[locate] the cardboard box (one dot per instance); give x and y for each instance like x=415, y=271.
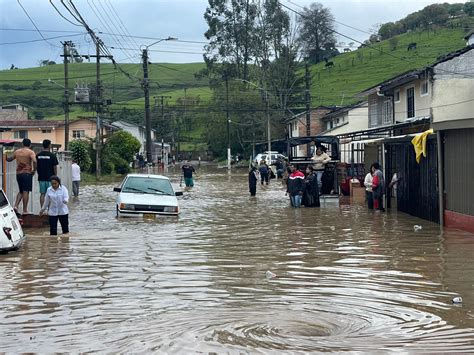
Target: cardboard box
x=357, y=192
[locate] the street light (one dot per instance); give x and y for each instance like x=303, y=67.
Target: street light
x=149, y=156
x=269, y=142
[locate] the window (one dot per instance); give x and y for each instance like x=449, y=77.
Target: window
x=373, y=112
x=387, y=111
x=410, y=102
x=424, y=87
x=396, y=96
x=328, y=125
x=78, y=133
x=45, y=131
x=20, y=134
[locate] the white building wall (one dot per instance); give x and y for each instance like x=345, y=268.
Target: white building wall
x=453, y=94
x=422, y=101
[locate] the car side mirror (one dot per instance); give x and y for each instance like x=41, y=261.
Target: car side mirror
x=117, y=189
x=178, y=193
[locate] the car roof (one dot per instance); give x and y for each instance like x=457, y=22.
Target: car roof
x=152, y=176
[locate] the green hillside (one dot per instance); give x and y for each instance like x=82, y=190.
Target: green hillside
x=358, y=70
x=32, y=88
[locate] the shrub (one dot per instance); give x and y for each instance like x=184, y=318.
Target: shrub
x=81, y=153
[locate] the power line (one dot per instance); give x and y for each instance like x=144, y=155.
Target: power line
x=155, y=38
x=64, y=17
x=30, y=30
x=162, y=51
x=42, y=39
x=121, y=24
x=29, y=17
x=104, y=23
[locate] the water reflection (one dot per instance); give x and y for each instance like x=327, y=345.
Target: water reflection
x=347, y=280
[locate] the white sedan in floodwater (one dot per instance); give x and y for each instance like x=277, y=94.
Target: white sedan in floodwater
x=143, y=195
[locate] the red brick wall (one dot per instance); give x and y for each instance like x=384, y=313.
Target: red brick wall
x=317, y=125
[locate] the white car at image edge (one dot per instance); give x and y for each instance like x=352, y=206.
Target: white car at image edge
x=11, y=235
x=142, y=195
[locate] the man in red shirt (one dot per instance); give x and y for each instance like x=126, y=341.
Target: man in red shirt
x=25, y=169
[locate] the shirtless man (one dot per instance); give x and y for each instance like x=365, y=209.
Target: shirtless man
x=25, y=169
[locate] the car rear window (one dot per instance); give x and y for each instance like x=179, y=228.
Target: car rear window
x=148, y=185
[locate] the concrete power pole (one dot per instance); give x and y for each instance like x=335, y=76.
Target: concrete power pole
x=66, y=46
x=228, y=121
x=162, y=128
x=149, y=156
x=308, y=107
x=98, y=140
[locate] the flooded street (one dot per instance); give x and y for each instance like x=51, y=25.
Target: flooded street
x=347, y=279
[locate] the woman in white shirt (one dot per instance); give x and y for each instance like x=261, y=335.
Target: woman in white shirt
x=55, y=202
x=368, y=190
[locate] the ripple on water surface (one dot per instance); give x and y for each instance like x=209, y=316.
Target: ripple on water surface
x=346, y=279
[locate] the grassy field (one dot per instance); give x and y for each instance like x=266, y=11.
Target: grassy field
x=32, y=88
x=358, y=70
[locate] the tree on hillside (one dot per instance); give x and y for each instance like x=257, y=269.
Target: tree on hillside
x=434, y=14
x=273, y=26
x=231, y=34
x=45, y=62
x=454, y=9
x=469, y=8
x=390, y=29
x=316, y=34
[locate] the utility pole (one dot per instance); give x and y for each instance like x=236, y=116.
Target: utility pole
x=66, y=46
x=308, y=107
x=228, y=120
x=98, y=109
x=149, y=156
x=269, y=140
x=162, y=97
x=146, y=89
x=98, y=99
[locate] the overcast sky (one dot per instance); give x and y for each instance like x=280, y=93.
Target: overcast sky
x=154, y=18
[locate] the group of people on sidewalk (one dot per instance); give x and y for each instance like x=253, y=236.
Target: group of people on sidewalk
x=374, y=183
x=54, y=196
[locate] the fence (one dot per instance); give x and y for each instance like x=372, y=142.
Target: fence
x=10, y=186
x=417, y=190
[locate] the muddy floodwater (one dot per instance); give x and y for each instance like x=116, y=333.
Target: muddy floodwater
x=346, y=279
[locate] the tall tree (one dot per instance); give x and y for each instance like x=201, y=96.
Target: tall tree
x=231, y=34
x=316, y=34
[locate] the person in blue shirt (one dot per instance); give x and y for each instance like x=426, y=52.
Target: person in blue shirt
x=188, y=171
x=55, y=202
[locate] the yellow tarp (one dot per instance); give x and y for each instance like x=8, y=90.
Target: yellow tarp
x=419, y=143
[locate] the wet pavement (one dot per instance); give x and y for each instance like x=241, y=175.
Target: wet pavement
x=346, y=279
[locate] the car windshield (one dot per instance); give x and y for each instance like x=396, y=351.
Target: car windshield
x=148, y=185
